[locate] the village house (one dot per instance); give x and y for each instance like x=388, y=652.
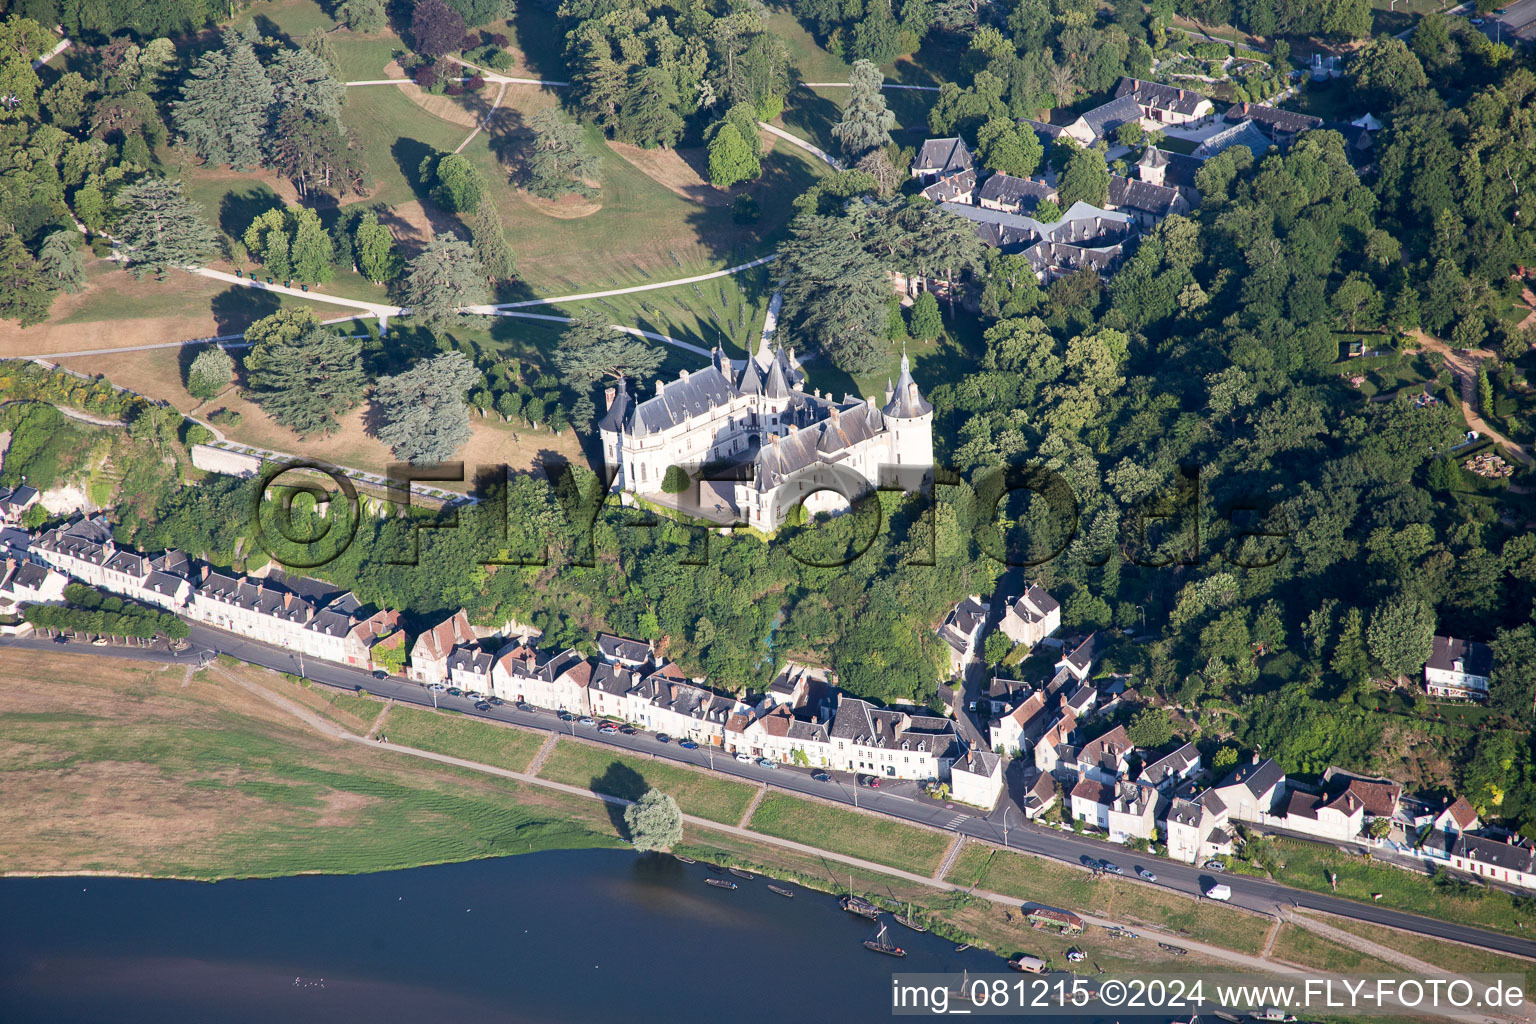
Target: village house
x=432, y=649
x=1506, y=859
x=666, y=702
x=1090, y=801
x=618, y=650
x=559, y=684
x=1104, y=758
x=1001, y=696
x=1281, y=126
x=1040, y=796
x=1031, y=617
x=16, y=500
x=1021, y=728
x=1081, y=699
x=30, y=583
x=1251, y=790
x=1165, y=104
x=1458, y=816
x=961, y=632
x=894, y=744
x=1146, y=202
x=469, y=668
x=1338, y=817
x=977, y=778
x=511, y=667
x=940, y=158
x=1197, y=828
x=1049, y=134
x=1014, y=195
x=1458, y=669
x=1171, y=769
x=369, y=633
x=959, y=187
x=1133, y=812
x=1055, y=742
x=1103, y=119
x=1080, y=660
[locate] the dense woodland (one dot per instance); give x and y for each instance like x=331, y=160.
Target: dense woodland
x=1196, y=393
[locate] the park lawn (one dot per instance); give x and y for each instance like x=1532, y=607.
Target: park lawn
x=806, y=56
x=395, y=133
x=1060, y=885
x=870, y=837
x=953, y=915
x=119, y=766
x=447, y=732
x=1298, y=946
x=624, y=775
x=1451, y=956
x=1306, y=866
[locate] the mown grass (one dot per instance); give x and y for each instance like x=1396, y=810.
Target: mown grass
x=604, y=771
x=1307, y=949
x=445, y=732
x=1307, y=866
x=212, y=781
x=1452, y=956
x=859, y=835
x=1044, y=881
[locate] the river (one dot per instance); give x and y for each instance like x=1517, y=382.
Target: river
x=593, y=935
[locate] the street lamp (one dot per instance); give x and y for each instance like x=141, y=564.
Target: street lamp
x=1005, y=824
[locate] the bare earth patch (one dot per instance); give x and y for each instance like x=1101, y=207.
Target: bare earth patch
x=676, y=170
x=416, y=223
x=342, y=808
x=567, y=207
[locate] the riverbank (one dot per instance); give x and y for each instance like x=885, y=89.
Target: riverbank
x=237, y=772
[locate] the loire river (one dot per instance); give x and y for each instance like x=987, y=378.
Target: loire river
x=594, y=935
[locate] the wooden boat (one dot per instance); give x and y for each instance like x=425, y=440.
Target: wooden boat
x=962, y=948
x=685, y=860
x=880, y=944
x=861, y=906
x=911, y=922
x=1175, y=950
x=721, y=883
x=741, y=874
x=781, y=891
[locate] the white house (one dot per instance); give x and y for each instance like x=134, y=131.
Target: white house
x=961, y=632
x=1021, y=728
x=1252, y=789
x=1197, y=828
x=1090, y=801
x=1031, y=617
x=1168, y=771
x=1080, y=661
x=1040, y=796
x=1049, y=748
x=30, y=583
x=432, y=649
x=1104, y=759
x=618, y=650
x=469, y=668
x=1505, y=859
x=894, y=744
x=559, y=684
x=1133, y=812
x=1165, y=104
x=1458, y=669
x=1458, y=816
x=977, y=778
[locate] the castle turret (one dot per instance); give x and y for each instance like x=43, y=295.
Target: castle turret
x=909, y=418
x=610, y=428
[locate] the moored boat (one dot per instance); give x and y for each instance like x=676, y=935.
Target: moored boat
x=685, y=860
x=781, y=891
x=721, y=883
x=861, y=906
x=741, y=874
x=911, y=922
x=881, y=944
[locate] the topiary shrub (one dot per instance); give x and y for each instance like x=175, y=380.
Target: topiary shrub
x=676, y=481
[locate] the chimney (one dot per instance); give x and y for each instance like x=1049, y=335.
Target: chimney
x=1255, y=757
x=684, y=375
x=288, y=600
x=870, y=401
x=608, y=394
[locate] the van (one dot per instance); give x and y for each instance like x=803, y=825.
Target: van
x=1219, y=892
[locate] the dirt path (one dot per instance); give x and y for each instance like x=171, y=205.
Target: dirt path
x=378, y=719
x=486, y=120
x=950, y=856
x=746, y=815
x=303, y=714
x=1464, y=364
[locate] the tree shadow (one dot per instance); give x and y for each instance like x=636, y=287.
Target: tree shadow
x=408, y=154
x=622, y=781
x=236, y=308
x=534, y=32
x=237, y=209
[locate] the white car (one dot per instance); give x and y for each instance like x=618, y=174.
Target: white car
x=439, y=687
x=745, y=758
x=474, y=695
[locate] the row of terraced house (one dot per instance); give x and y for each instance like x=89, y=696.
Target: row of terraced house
x=802, y=718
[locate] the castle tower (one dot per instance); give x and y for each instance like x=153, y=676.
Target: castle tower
x=909, y=418
x=610, y=430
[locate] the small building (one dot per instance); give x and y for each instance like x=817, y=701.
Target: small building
x=469, y=668
x=432, y=649
x=618, y=650
x=1165, y=168
x=1039, y=796
x=1133, y=812
x=1282, y=126
x=1022, y=727
x=1506, y=859
x=1168, y=771
x=959, y=187
x=1252, y=789
x=976, y=778
x=961, y=632
x=1106, y=117
x=15, y=501
x=29, y=583
x=1458, y=669
x=1165, y=104
x=1054, y=744
x=1080, y=661
x=1197, y=827
x=1458, y=816
x=1146, y=202
x=1049, y=134
x=1031, y=617
x=1105, y=758
x=1014, y=195
x=1090, y=801
x=940, y=158
x=1063, y=921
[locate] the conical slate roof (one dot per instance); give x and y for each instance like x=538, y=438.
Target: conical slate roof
x=613, y=419
x=907, y=403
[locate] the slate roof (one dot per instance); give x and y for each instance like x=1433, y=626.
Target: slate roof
x=1185, y=812
x=961, y=623
x=1242, y=134
x=978, y=762
x=1045, y=257
x=1492, y=851
x=613, y=419
x=945, y=155
x=1082, y=698
x=952, y=186
x=618, y=648
x=1006, y=190
x=692, y=394
x=29, y=575
x=1080, y=223
x=1272, y=119
x=1034, y=604
x=1083, y=655
x=1171, y=766
x=863, y=723
x=473, y=660
x=1163, y=97
x=907, y=402
x=1258, y=779
x=19, y=497
x=1107, y=751
x=1476, y=658
x=1051, y=132
x=1179, y=168
x=1106, y=117
x=1158, y=200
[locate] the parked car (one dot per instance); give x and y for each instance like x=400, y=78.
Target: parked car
x=565, y=716
x=496, y=701
x=474, y=695
x=868, y=780
x=822, y=777
x=1214, y=865
x=438, y=687
x=1219, y=892
x=764, y=762
x=61, y=639
x=607, y=727
x=744, y=758
x=688, y=744
x=585, y=720
x=481, y=705
x=1110, y=868
x=662, y=737
x=454, y=691
x=627, y=730
x=379, y=673
x=1145, y=874
x=100, y=641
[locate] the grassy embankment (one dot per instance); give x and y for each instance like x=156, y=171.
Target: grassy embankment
x=871, y=837
x=447, y=732
x=603, y=771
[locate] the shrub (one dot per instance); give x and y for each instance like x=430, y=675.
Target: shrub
x=225, y=417
x=474, y=84
x=196, y=433
x=676, y=481
x=498, y=59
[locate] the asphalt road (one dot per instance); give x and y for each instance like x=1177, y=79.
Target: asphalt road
x=1253, y=893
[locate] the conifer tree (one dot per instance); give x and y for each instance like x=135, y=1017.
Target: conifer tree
x=590, y=350
x=561, y=160
x=223, y=110
x=425, y=418
x=443, y=278
x=161, y=227
x=866, y=122
x=25, y=294
x=649, y=116
x=311, y=253
x=303, y=79
x=60, y=260
x=362, y=15
x=490, y=243
x=926, y=324
x=304, y=375
x=374, y=248
x=835, y=292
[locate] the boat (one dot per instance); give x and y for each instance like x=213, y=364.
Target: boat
x=962, y=948
x=741, y=874
x=721, y=883
x=781, y=891
x=911, y=922
x=1175, y=950
x=856, y=904
x=685, y=860
x=880, y=944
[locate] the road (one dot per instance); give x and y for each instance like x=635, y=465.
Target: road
x=1253, y=893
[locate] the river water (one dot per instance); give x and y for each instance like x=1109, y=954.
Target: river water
x=594, y=935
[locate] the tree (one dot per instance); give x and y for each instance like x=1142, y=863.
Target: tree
x=1401, y=635
x=457, y=188
x=1357, y=300
x=877, y=164
x=561, y=160
x=269, y=241
x=301, y=78
x=209, y=373
x=591, y=350
x=445, y=276
x=1379, y=828
x=425, y=418
x=731, y=160
x=1514, y=669
x=161, y=227
x=1484, y=390
x=1150, y=728
x=835, y=292
x=224, y=105
x=362, y=15
x=649, y=115
x=925, y=325
x=21, y=41
x=489, y=240
x=304, y=375
x=1002, y=147
x=25, y=293
x=436, y=28
x=1387, y=70
x=66, y=100
x=675, y=480
x=1085, y=179
x=311, y=253
x=866, y=122
x=374, y=248
x=59, y=259
x=654, y=821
